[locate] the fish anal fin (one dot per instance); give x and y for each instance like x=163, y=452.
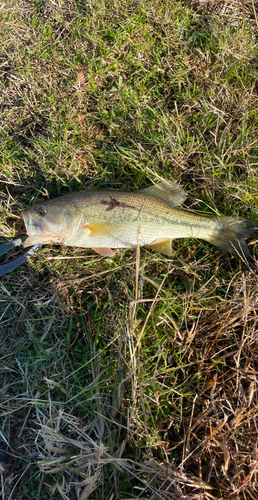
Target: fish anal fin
x=162, y=245
x=105, y=252
x=98, y=228
x=168, y=191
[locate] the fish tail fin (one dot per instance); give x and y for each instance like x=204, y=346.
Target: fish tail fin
x=232, y=233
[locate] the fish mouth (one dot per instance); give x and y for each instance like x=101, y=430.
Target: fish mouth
x=34, y=230
x=38, y=231
x=33, y=226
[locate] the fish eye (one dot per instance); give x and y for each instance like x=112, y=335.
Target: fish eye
x=41, y=211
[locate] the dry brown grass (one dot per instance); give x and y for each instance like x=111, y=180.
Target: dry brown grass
x=132, y=377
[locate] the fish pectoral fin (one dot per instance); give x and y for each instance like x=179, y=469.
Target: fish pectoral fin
x=168, y=191
x=105, y=252
x=162, y=245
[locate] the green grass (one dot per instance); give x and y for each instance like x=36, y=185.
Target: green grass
x=109, y=389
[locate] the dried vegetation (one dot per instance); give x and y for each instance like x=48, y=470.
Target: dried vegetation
x=131, y=377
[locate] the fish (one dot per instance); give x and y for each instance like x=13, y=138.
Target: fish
x=108, y=220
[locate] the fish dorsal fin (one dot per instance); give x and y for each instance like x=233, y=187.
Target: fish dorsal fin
x=162, y=245
x=168, y=191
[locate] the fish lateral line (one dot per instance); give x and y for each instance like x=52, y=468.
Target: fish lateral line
x=113, y=203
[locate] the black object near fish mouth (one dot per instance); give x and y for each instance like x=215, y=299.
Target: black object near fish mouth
x=4, y=457
x=13, y=264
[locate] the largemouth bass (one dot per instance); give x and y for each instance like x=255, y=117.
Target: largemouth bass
x=107, y=220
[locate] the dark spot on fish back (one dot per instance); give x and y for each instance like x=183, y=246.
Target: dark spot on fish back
x=113, y=203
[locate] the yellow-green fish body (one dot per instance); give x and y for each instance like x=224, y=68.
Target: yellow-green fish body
x=106, y=220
